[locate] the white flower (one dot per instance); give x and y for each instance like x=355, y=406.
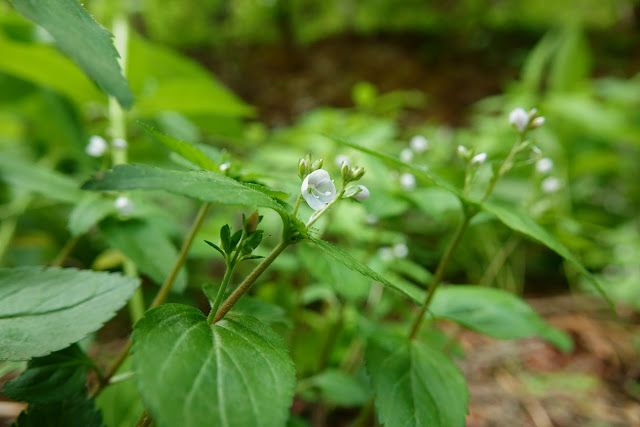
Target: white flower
x=544, y=165
x=419, y=144
x=363, y=194
x=406, y=155
x=520, y=118
x=408, y=181
x=341, y=158
x=550, y=185
x=119, y=143
x=96, y=146
x=318, y=189
x=479, y=159
x=225, y=166
x=124, y=205
x=400, y=250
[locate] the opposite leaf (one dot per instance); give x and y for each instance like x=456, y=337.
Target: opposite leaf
x=46, y=309
x=415, y=385
x=236, y=372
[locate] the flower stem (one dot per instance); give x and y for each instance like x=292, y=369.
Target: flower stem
x=316, y=215
x=437, y=277
x=297, y=206
x=251, y=278
x=504, y=168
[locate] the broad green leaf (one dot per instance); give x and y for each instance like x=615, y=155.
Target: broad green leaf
x=75, y=411
x=494, y=312
x=91, y=209
x=55, y=377
x=352, y=263
x=523, y=223
x=416, y=170
x=415, y=385
x=45, y=309
x=339, y=388
x=147, y=246
x=84, y=40
x=36, y=178
x=237, y=372
x=183, y=148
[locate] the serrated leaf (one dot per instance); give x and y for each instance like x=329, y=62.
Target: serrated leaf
x=523, y=223
x=234, y=373
x=354, y=264
x=148, y=247
x=91, y=209
x=36, y=178
x=57, y=376
x=75, y=411
x=184, y=149
x=494, y=312
x=415, y=385
x=83, y=39
x=45, y=309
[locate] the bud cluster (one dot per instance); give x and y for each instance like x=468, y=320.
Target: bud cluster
x=524, y=120
x=350, y=174
x=306, y=166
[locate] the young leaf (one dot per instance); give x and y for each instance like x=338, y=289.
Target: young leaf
x=225, y=238
x=46, y=309
x=415, y=385
x=235, y=239
x=148, y=247
x=494, y=312
x=523, y=223
x=57, y=376
x=216, y=247
x=183, y=148
x=236, y=372
x=75, y=411
x=83, y=39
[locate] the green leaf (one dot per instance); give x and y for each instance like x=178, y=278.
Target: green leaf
x=216, y=247
x=148, y=247
x=354, y=264
x=57, y=376
x=236, y=372
x=521, y=222
x=91, y=209
x=120, y=402
x=184, y=149
x=75, y=411
x=494, y=312
x=36, y=178
x=83, y=39
x=339, y=388
x=261, y=310
x=46, y=309
x=415, y=385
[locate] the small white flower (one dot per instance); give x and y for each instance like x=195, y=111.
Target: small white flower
x=544, y=165
x=341, y=158
x=124, y=205
x=400, y=250
x=225, y=166
x=119, y=143
x=520, y=118
x=96, y=147
x=386, y=253
x=408, y=181
x=479, y=159
x=537, y=122
x=550, y=185
x=318, y=189
x=419, y=144
x=406, y=155
x=363, y=194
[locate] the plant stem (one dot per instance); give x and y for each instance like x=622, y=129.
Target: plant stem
x=144, y=420
x=297, y=206
x=437, y=277
x=136, y=303
x=117, y=121
x=504, y=168
x=251, y=278
x=318, y=214
x=221, y=291
x=64, y=252
x=498, y=260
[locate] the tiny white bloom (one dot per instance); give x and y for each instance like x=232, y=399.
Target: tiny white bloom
x=119, y=143
x=520, y=118
x=419, y=144
x=363, y=194
x=371, y=219
x=400, y=250
x=386, y=253
x=544, y=165
x=550, y=185
x=341, y=158
x=406, y=155
x=408, y=181
x=318, y=189
x=124, y=205
x=225, y=166
x=463, y=151
x=537, y=122
x=96, y=147
x=479, y=159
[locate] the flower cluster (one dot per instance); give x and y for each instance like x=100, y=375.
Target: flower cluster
x=524, y=121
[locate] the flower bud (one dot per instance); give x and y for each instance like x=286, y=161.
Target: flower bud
x=302, y=168
x=537, y=122
x=551, y=185
x=479, y=159
x=406, y=155
x=357, y=173
x=533, y=113
x=123, y=205
x=408, y=181
x=119, y=143
x=251, y=223
x=96, y=147
x=225, y=166
x=463, y=152
x=419, y=144
x=519, y=118
x=544, y=165
x=363, y=194
x=316, y=165
x=345, y=171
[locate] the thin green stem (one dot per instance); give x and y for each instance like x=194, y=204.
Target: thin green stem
x=221, y=291
x=504, y=168
x=251, y=278
x=117, y=119
x=437, y=277
x=498, y=260
x=136, y=303
x=65, y=251
x=144, y=420
x=297, y=206
x=316, y=215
